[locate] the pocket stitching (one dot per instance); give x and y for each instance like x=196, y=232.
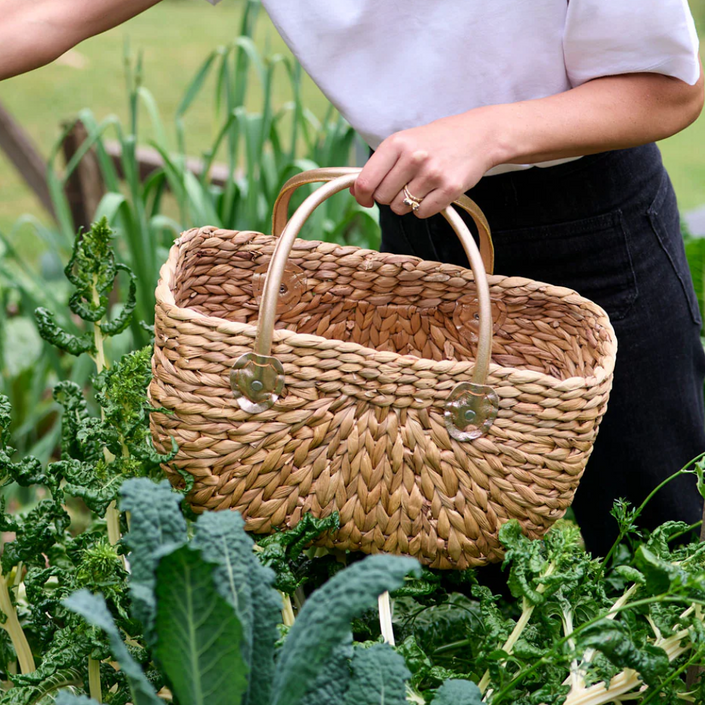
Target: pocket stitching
x=659, y=230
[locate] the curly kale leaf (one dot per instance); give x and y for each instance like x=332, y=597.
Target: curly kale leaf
x=283, y=550
x=74, y=418
x=122, y=320
x=25, y=472
x=92, y=271
x=55, y=335
x=614, y=641
x=36, y=534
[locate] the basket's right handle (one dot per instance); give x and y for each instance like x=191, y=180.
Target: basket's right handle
x=313, y=176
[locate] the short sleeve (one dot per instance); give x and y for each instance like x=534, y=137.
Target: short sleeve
x=610, y=37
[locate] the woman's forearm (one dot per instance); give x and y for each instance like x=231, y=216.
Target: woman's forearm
x=35, y=32
x=608, y=113
x=445, y=158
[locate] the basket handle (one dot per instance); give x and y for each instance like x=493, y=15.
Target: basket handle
x=281, y=207
x=257, y=378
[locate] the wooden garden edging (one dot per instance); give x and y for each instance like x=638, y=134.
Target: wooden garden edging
x=20, y=149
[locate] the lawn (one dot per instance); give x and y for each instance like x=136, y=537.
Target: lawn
x=175, y=37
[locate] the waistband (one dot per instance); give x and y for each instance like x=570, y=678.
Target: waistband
x=624, y=179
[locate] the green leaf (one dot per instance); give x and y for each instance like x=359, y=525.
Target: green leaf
x=156, y=522
x=324, y=621
x=332, y=680
x=660, y=575
x=458, y=692
x=613, y=640
x=379, y=677
x=280, y=549
x=50, y=330
x=198, y=632
x=247, y=585
x=94, y=610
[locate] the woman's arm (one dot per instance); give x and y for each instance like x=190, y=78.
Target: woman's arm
x=442, y=160
x=35, y=32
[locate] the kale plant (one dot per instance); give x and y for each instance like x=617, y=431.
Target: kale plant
x=192, y=610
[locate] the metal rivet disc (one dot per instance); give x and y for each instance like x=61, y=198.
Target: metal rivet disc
x=470, y=411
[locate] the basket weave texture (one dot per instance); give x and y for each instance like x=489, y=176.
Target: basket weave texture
x=372, y=345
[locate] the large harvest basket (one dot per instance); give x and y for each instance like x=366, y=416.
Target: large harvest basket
x=425, y=403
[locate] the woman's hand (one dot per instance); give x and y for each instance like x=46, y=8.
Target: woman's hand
x=440, y=161
x=436, y=162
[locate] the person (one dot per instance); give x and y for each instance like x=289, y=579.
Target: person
x=546, y=114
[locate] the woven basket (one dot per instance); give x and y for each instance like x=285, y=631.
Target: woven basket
x=424, y=403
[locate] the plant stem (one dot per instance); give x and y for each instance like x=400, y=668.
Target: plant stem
x=14, y=629
x=287, y=611
x=112, y=515
x=94, y=680
x=642, y=506
x=385, y=618
x=527, y=609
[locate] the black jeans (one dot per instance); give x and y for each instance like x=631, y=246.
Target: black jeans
x=608, y=227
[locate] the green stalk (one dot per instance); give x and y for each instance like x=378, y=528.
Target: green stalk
x=94, y=680
x=527, y=609
x=112, y=516
x=642, y=506
x=287, y=611
x=14, y=629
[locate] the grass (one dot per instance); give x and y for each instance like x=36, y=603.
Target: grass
x=175, y=37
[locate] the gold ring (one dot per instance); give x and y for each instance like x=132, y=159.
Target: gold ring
x=412, y=201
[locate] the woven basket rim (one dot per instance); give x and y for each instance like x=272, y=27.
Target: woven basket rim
x=164, y=295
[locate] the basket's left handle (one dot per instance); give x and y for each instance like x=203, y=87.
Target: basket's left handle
x=257, y=378
x=280, y=212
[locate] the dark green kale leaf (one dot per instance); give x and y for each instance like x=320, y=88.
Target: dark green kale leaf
x=198, y=632
x=157, y=524
x=458, y=692
x=324, y=621
x=247, y=586
x=379, y=677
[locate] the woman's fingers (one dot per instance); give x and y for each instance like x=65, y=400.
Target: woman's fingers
x=377, y=168
x=437, y=201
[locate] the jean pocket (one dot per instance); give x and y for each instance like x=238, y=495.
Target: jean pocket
x=590, y=256
x=665, y=222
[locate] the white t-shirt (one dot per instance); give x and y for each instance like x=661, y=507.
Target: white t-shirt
x=390, y=65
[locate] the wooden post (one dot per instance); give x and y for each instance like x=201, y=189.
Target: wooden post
x=18, y=146
x=85, y=187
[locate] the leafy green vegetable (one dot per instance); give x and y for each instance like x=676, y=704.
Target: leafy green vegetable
x=324, y=621
x=157, y=524
x=379, y=677
x=458, y=692
x=247, y=586
x=199, y=633
x=94, y=610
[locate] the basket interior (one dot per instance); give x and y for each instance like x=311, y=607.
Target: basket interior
x=389, y=303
